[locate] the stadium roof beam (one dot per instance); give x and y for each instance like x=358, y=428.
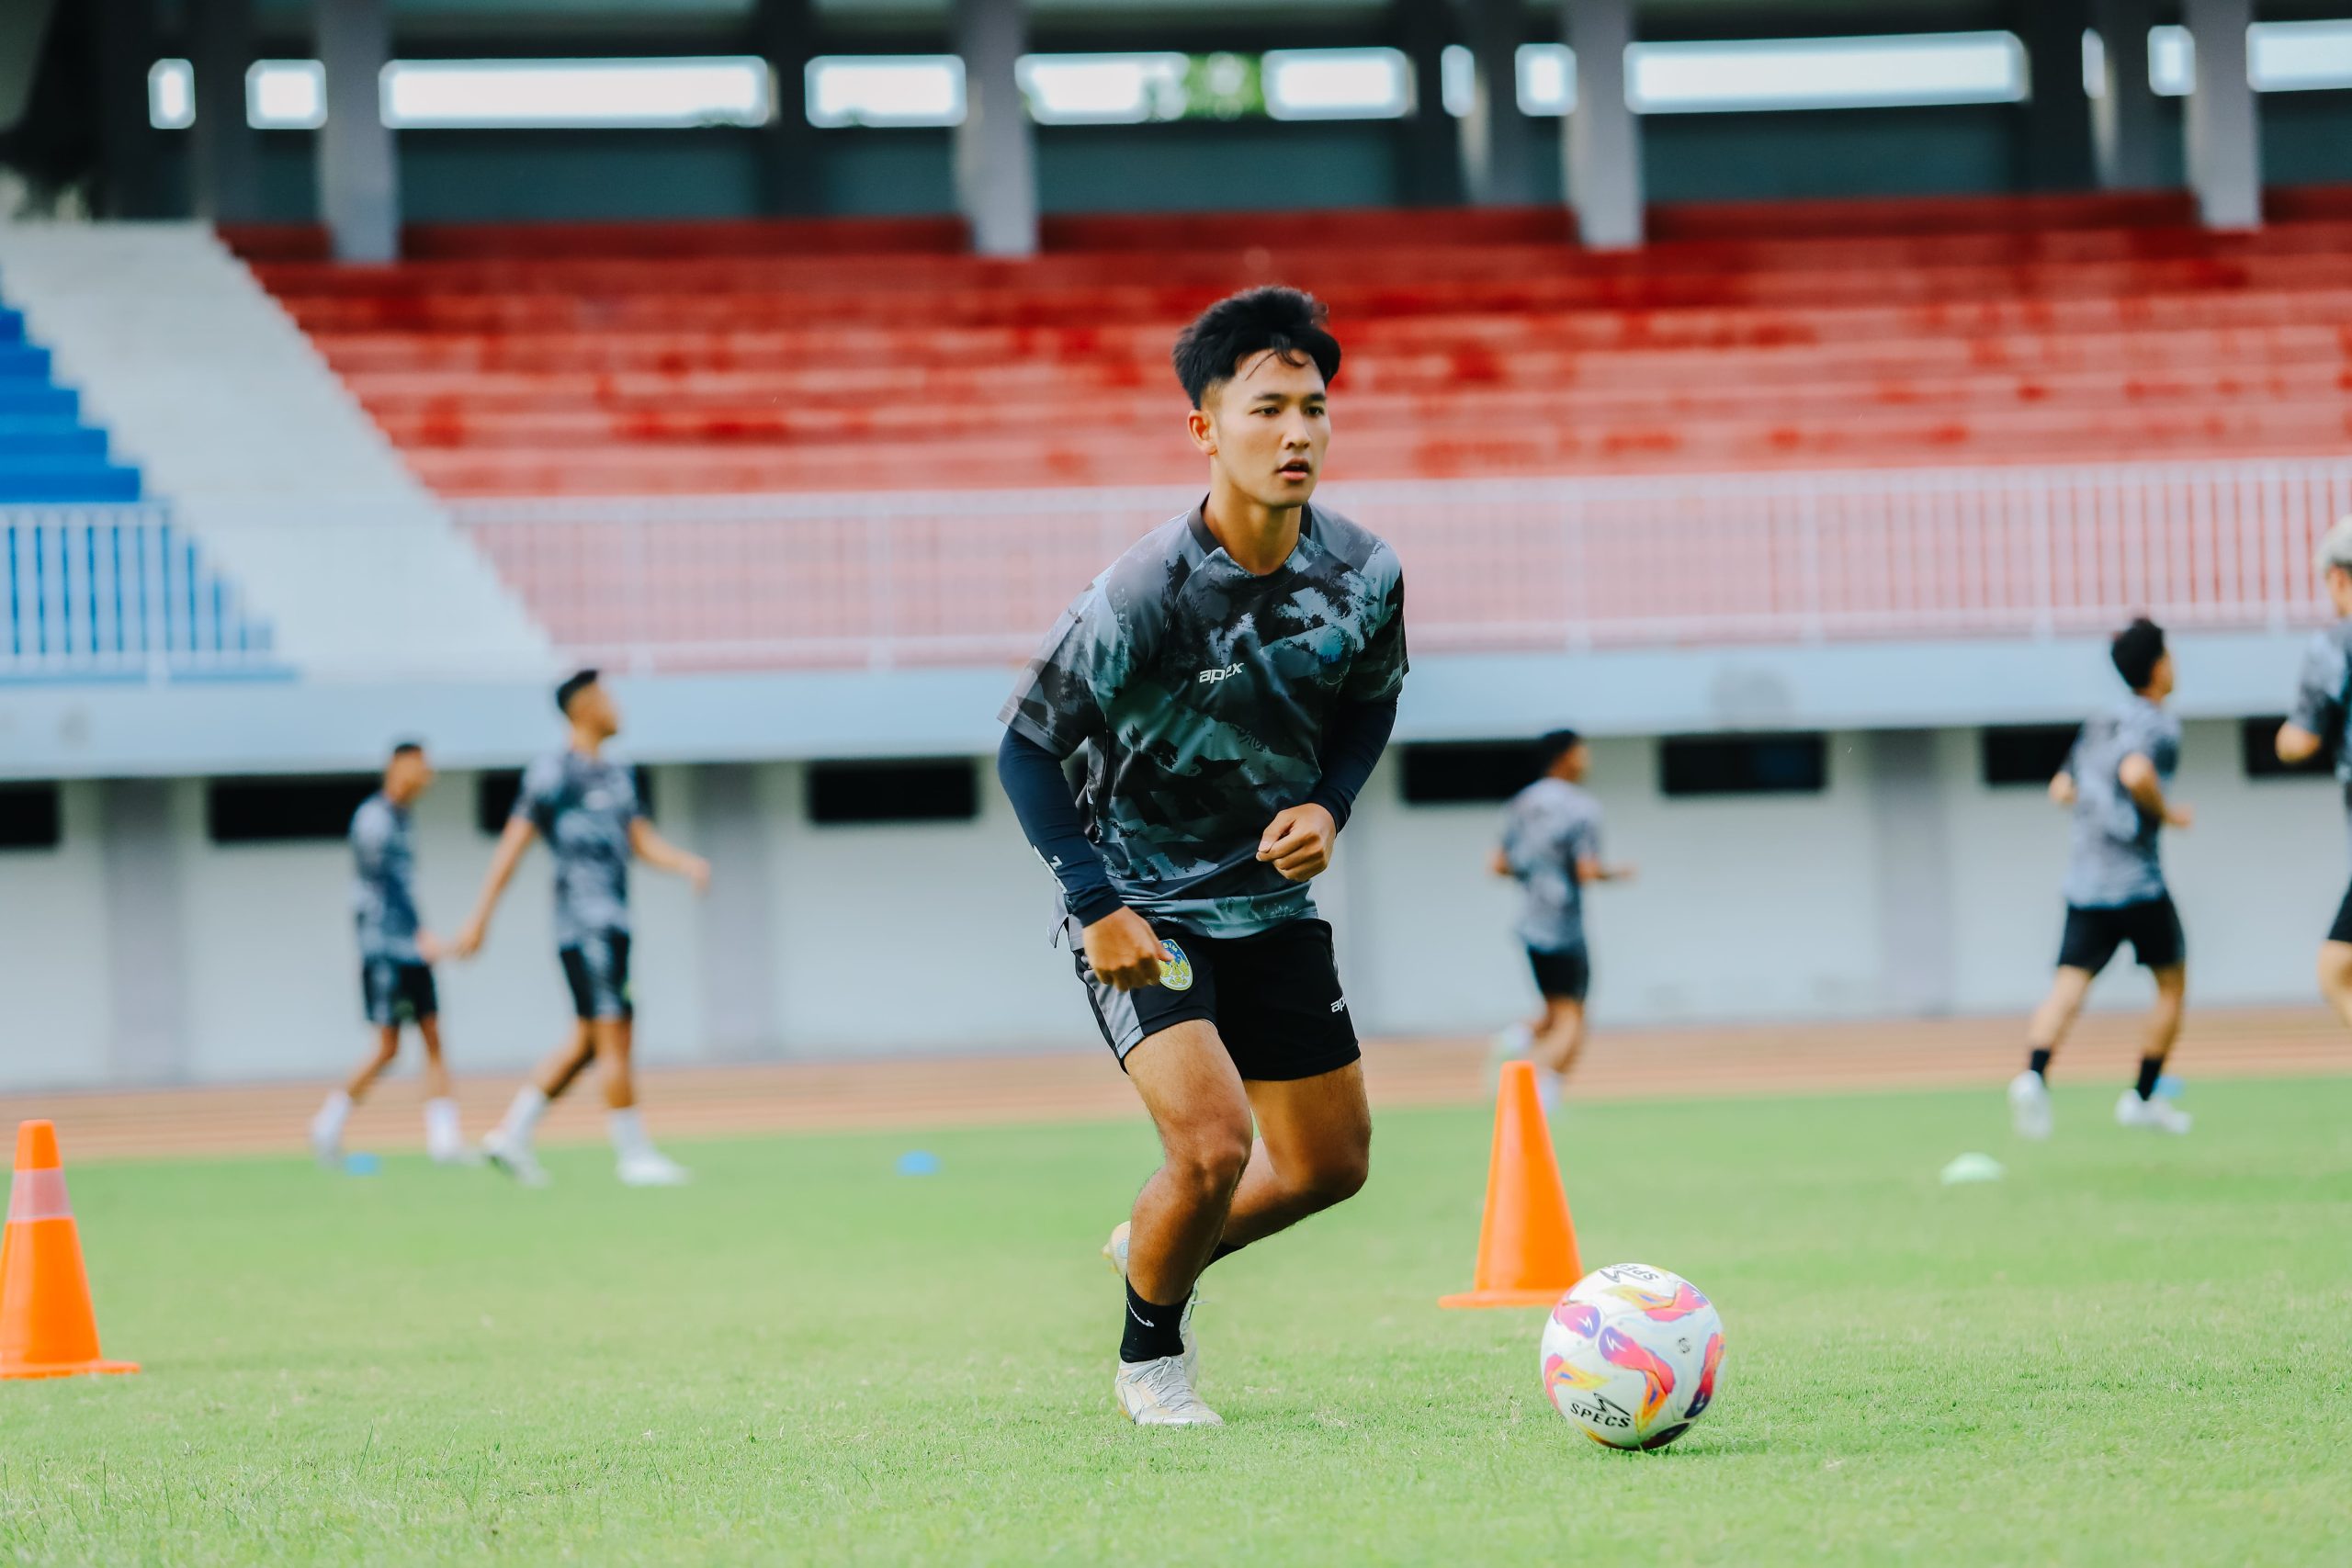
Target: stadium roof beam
x=2224, y=145
x=1601, y=138
x=1498, y=139
x=1429, y=142
x=785, y=35
x=358, y=170
x=2123, y=117
x=996, y=154
x=2058, y=140
x=223, y=152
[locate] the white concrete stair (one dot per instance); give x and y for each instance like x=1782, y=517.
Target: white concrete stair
x=239, y=424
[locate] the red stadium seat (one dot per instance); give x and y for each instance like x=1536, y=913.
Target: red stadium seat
x=586, y=359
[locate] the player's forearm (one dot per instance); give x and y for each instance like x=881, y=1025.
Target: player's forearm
x=1033, y=782
x=508, y=856
x=658, y=852
x=1352, y=748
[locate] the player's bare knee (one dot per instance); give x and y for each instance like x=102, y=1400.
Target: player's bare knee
x=2335, y=966
x=1338, y=1177
x=1208, y=1162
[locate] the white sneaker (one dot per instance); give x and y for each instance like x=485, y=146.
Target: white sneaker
x=652, y=1168
x=325, y=1147
x=2030, y=1105
x=1510, y=1044
x=1114, y=1252
x=1158, y=1394
x=515, y=1157
x=2157, y=1114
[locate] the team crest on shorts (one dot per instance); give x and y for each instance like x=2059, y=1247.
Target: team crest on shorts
x=1175, y=969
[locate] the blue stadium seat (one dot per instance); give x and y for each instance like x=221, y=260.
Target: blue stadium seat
x=46, y=454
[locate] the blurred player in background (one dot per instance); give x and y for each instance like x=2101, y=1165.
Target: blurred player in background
x=1229, y=684
x=396, y=958
x=2321, y=721
x=2114, y=781
x=585, y=804
x=1551, y=847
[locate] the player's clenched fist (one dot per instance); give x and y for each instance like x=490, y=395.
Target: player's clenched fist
x=1299, y=842
x=1124, y=951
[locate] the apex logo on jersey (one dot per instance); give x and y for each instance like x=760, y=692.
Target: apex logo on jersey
x=1621, y=1349
x=1175, y=969
x=1211, y=677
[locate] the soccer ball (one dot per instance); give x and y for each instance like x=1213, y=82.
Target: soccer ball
x=1634, y=1356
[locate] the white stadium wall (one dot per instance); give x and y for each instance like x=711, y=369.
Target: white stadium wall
x=931, y=937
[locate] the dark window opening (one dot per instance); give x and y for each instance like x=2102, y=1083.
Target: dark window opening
x=29, y=818
x=1467, y=773
x=269, y=811
x=1743, y=764
x=940, y=790
x=2025, y=753
x=2258, y=749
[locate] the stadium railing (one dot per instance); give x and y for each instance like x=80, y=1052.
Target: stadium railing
x=888, y=579
x=118, y=592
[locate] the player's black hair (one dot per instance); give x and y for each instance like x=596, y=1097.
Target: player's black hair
x=1273, y=320
x=407, y=749
x=2136, y=649
x=572, y=686
x=1554, y=746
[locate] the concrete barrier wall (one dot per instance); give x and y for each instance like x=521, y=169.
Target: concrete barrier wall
x=831, y=941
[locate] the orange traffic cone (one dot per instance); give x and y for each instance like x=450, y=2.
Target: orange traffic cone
x=47, y=1329
x=1527, y=1247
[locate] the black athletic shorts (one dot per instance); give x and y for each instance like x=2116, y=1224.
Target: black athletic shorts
x=597, y=971
x=394, y=991
x=1566, y=974
x=1273, y=998
x=2152, y=928
x=2342, y=929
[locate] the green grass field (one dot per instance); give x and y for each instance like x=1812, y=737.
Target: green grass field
x=2131, y=1351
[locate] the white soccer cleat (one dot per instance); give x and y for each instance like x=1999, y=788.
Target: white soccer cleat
x=515, y=1157
x=1159, y=1394
x=326, y=1146
x=652, y=1168
x=1114, y=1252
x=2030, y=1106
x=2157, y=1114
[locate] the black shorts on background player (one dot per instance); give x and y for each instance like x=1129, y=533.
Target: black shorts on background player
x=393, y=991
x=2151, y=927
x=1565, y=975
x=2342, y=929
x=597, y=972
x=1273, y=998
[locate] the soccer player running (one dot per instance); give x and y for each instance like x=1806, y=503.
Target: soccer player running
x=396, y=957
x=1551, y=848
x=2322, y=720
x=1227, y=684
x=585, y=804
x=2114, y=781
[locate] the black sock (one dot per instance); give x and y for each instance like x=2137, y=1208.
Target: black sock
x=2151, y=1069
x=1152, y=1331
x=2039, y=1063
